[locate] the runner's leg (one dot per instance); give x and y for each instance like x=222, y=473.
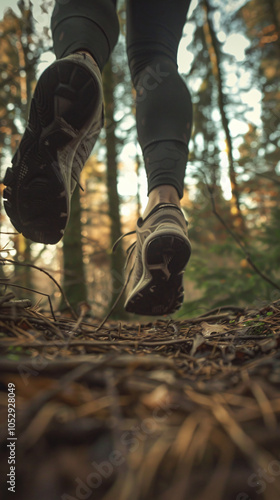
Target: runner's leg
x=163, y=103
x=89, y=25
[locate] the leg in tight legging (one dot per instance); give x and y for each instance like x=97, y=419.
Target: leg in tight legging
x=163, y=103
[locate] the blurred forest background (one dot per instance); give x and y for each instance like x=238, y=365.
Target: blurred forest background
x=230, y=59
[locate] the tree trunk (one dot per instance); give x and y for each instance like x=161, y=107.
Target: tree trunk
x=74, y=283
x=217, y=71
x=24, y=274
x=117, y=258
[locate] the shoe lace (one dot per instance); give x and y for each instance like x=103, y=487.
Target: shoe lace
x=129, y=253
x=76, y=179
x=129, y=250
x=116, y=244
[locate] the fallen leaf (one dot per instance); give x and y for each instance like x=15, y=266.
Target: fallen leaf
x=208, y=329
x=197, y=342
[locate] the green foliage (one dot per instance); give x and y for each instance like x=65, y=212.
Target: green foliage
x=224, y=276
x=271, y=239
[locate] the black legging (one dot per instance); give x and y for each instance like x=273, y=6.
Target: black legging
x=163, y=103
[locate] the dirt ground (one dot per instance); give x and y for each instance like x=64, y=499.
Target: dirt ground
x=157, y=411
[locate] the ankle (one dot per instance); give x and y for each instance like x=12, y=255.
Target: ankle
x=162, y=194
x=81, y=51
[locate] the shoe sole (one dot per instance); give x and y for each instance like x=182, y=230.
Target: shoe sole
x=36, y=197
x=160, y=289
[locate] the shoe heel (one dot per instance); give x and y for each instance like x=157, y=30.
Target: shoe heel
x=168, y=252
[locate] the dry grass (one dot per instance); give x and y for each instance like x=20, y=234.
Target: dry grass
x=166, y=410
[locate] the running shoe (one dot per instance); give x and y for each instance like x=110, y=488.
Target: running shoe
x=156, y=262
x=65, y=119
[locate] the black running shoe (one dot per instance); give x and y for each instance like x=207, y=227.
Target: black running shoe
x=65, y=119
x=156, y=262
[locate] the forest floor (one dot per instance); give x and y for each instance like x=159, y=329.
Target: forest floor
x=164, y=410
